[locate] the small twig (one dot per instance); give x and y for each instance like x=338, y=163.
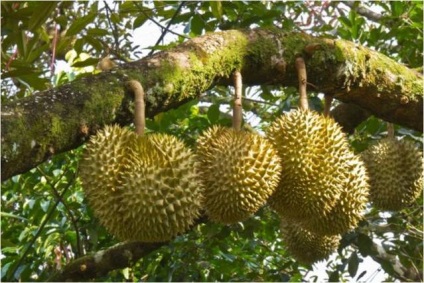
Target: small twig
x=11, y=59
x=52, y=210
x=113, y=26
x=168, y=25
x=67, y=209
x=237, y=109
x=139, y=113
x=369, y=14
x=54, y=43
x=301, y=74
x=156, y=22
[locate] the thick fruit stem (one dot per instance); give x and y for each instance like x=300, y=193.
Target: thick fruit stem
x=140, y=108
x=390, y=130
x=301, y=74
x=328, y=99
x=237, y=110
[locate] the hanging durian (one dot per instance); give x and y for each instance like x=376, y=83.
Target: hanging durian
x=143, y=188
x=305, y=246
x=395, y=168
x=239, y=169
x=323, y=184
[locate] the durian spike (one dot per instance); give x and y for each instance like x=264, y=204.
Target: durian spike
x=390, y=131
x=140, y=108
x=327, y=104
x=237, y=109
x=301, y=74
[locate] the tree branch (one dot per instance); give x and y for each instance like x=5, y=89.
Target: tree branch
x=100, y=263
x=402, y=272
x=53, y=121
x=119, y=256
x=369, y=14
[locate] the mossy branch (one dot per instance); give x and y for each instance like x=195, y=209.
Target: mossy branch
x=53, y=121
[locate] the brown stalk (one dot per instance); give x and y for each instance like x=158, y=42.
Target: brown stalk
x=237, y=109
x=140, y=108
x=327, y=104
x=390, y=130
x=301, y=74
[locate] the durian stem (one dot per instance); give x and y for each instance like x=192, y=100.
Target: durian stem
x=237, y=109
x=327, y=104
x=140, y=107
x=390, y=130
x=301, y=74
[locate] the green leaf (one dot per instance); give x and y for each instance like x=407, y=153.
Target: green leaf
x=80, y=23
x=213, y=113
x=5, y=214
x=345, y=21
x=115, y=18
x=216, y=7
x=4, y=269
x=93, y=41
x=353, y=263
x=365, y=245
x=197, y=25
x=41, y=14
x=85, y=63
x=334, y=277
x=21, y=71
x=97, y=31
x=139, y=21
x=361, y=275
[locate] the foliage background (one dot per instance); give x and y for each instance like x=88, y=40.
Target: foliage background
x=45, y=219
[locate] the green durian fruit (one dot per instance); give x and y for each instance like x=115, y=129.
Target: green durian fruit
x=239, y=170
x=395, y=168
x=323, y=184
x=143, y=188
x=305, y=246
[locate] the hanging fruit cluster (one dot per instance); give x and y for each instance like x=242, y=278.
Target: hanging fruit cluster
x=152, y=188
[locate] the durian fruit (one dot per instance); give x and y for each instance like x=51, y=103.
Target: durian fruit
x=305, y=246
x=163, y=191
x=141, y=188
x=239, y=170
x=349, y=208
x=395, y=168
x=323, y=185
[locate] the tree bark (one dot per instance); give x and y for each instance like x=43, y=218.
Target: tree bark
x=53, y=121
x=93, y=266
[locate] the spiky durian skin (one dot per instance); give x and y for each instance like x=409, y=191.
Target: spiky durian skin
x=323, y=185
x=349, y=208
x=395, y=169
x=156, y=192
x=307, y=247
x=239, y=170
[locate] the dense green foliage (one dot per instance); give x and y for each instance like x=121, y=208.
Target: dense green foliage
x=45, y=218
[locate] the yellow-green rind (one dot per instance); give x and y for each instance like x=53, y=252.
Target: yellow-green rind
x=305, y=246
x=156, y=193
x=323, y=184
x=239, y=170
x=349, y=208
x=395, y=168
